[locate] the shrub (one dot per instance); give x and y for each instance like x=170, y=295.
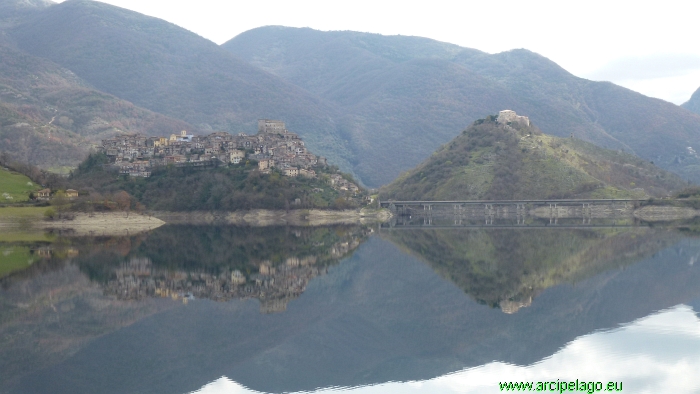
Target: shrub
x=49, y=214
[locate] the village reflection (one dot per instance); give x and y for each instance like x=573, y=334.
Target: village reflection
x=273, y=285
x=273, y=265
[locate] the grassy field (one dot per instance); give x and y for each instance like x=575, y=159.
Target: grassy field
x=61, y=170
x=14, y=258
x=18, y=213
x=25, y=236
x=15, y=187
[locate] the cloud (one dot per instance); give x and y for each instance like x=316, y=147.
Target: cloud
x=647, y=67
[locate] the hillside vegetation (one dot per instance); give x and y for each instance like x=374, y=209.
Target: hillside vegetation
x=15, y=187
x=402, y=97
x=491, y=161
x=225, y=188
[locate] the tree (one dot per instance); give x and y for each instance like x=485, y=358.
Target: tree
x=60, y=202
x=49, y=214
x=123, y=200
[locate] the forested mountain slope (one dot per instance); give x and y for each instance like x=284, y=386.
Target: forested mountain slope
x=167, y=69
x=50, y=117
x=404, y=96
x=13, y=12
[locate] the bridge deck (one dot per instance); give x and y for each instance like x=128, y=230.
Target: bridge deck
x=508, y=202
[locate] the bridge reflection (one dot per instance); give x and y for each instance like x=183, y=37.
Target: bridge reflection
x=514, y=213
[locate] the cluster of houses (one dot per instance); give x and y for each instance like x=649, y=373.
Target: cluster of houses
x=45, y=194
x=273, y=147
x=273, y=285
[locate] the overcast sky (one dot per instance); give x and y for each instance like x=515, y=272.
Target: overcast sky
x=645, y=46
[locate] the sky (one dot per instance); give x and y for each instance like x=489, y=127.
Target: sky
x=643, y=45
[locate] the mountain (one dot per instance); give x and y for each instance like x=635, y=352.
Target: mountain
x=51, y=118
x=13, y=12
x=694, y=103
x=167, y=69
x=492, y=160
x=404, y=96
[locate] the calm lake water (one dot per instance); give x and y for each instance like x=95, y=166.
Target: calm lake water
x=186, y=309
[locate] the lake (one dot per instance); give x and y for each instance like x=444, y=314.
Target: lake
x=374, y=309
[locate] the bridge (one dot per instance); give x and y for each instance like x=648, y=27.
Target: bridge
x=576, y=201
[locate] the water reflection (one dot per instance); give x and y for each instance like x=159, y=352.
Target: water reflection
x=506, y=268
x=59, y=292
x=368, y=310
x=273, y=265
x=655, y=354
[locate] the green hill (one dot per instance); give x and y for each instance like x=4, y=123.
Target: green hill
x=404, y=96
x=15, y=187
x=223, y=188
x=167, y=69
x=495, y=161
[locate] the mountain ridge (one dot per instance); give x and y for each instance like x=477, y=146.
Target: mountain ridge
x=167, y=69
x=599, y=112
x=693, y=104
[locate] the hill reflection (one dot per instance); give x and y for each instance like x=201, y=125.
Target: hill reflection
x=507, y=268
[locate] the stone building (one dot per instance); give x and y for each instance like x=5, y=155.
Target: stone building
x=270, y=126
x=507, y=116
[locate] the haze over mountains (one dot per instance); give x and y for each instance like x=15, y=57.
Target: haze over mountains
x=375, y=105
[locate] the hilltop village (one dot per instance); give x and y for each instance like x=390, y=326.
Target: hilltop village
x=273, y=147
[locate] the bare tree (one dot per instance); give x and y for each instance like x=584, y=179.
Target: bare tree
x=123, y=200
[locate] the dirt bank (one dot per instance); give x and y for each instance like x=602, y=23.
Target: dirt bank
x=665, y=213
x=109, y=223
x=264, y=217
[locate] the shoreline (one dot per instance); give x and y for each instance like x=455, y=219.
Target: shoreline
x=121, y=223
